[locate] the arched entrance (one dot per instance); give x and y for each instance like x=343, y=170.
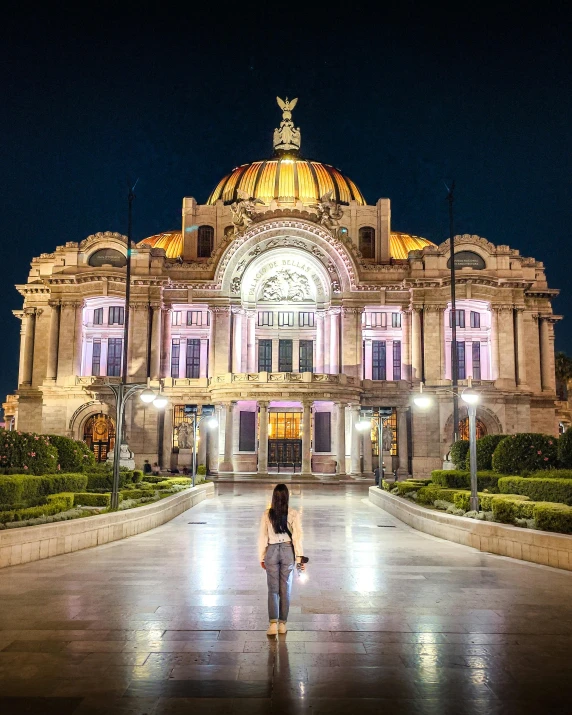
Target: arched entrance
x=99, y=435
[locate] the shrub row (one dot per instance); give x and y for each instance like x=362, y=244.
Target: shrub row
x=103, y=479
x=460, y=479
x=538, y=489
x=27, y=487
x=174, y=481
x=54, y=504
x=135, y=493
x=88, y=499
x=73, y=455
x=514, y=454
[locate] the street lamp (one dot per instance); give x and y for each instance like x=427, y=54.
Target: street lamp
x=208, y=414
x=471, y=399
x=364, y=423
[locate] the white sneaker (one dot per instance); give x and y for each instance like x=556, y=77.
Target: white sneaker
x=273, y=629
x=282, y=628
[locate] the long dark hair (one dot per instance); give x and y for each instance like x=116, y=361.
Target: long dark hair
x=278, y=513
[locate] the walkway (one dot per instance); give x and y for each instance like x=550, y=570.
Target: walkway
x=390, y=621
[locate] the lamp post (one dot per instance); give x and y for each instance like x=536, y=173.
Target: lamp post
x=365, y=422
x=454, y=353
x=471, y=399
x=207, y=413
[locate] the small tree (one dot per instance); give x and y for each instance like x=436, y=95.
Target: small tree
x=73, y=455
x=459, y=451
x=525, y=452
x=485, y=447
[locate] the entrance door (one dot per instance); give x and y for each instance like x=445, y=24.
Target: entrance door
x=99, y=435
x=285, y=453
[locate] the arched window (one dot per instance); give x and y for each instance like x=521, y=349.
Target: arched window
x=367, y=241
x=99, y=435
x=205, y=241
x=464, y=429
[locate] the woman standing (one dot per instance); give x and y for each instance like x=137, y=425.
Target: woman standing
x=279, y=546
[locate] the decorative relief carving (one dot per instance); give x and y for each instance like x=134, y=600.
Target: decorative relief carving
x=235, y=285
x=286, y=285
x=244, y=211
x=330, y=213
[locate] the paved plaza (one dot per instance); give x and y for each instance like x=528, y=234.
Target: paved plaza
x=390, y=621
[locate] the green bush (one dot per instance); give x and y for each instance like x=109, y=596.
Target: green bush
x=29, y=452
x=73, y=455
x=53, y=504
x=459, y=451
x=551, y=474
x=173, y=482
x=27, y=488
x=405, y=487
x=527, y=451
x=548, y=490
x=134, y=493
x=88, y=499
x=553, y=517
x=202, y=470
x=427, y=495
x=485, y=447
x=104, y=479
x=510, y=507
x=565, y=449
x=154, y=478
x=137, y=476
x=458, y=479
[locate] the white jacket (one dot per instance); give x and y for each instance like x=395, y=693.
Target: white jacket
x=267, y=535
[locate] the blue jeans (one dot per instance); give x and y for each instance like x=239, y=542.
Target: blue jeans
x=279, y=562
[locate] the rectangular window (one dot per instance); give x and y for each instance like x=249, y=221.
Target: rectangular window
x=376, y=320
x=306, y=354
x=265, y=317
x=285, y=319
x=397, y=359
x=461, y=361
x=96, y=357
x=323, y=432
x=306, y=320
x=396, y=320
x=247, y=432
x=193, y=358
x=176, y=317
x=378, y=369
x=476, y=361
x=194, y=317
x=116, y=315
x=114, y=352
x=284, y=356
x=475, y=319
x=175, y=357
x=98, y=316
x=460, y=318
x=265, y=356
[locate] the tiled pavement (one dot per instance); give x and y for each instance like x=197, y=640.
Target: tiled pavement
x=390, y=621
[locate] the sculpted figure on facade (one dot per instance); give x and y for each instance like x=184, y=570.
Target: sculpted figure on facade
x=286, y=285
x=329, y=213
x=184, y=436
x=243, y=211
x=287, y=137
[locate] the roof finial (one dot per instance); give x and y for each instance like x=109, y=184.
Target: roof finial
x=287, y=137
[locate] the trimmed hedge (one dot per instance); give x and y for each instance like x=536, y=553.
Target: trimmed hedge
x=553, y=517
x=427, y=495
x=104, y=479
x=27, y=487
x=73, y=455
x=551, y=474
x=527, y=451
x=88, y=499
x=547, y=490
x=459, y=452
x=135, y=493
x=175, y=481
x=406, y=487
x=565, y=449
x=29, y=452
x=54, y=504
x=485, y=448
x=459, y=479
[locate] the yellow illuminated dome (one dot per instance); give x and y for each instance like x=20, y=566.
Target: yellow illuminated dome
x=401, y=243
x=287, y=179
x=170, y=241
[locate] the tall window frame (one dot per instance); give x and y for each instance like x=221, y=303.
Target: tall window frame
x=96, y=358
x=175, y=357
x=205, y=241
x=378, y=360
x=265, y=356
x=114, y=356
x=285, y=355
x=397, y=359
x=193, y=358
x=306, y=356
x=366, y=242
x=116, y=315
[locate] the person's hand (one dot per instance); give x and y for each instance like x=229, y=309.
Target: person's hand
x=301, y=567
x=263, y=565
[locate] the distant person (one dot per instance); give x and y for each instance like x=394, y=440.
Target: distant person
x=185, y=470
x=279, y=547
x=376, y=475
x=147, y=469
x=156, y=469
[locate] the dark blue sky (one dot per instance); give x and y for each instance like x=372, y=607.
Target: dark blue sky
x=399, y=101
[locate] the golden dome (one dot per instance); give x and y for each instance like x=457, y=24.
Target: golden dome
x=401, y=243
x=171, y=241
x=287, y=179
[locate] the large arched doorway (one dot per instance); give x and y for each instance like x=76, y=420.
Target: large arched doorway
x=99, y=435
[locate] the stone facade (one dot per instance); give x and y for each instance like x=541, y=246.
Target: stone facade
x=285, y=326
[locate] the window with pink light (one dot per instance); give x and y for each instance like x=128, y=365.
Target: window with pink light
x=474, y=327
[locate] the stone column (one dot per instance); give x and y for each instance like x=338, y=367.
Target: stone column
x=402, y=444
x=520, y=347
x=138, y=341
x=251, y=337
x=226, y=465
x=368, y=367
x=434, y=343
x=319, y=341
x=406, y=345
x=355, y=461
x=546, y=355
x=416, y=348
x=213, y=441
x=506, y=339
x=262, y=437
x=66, y=343
x=29, y=334
x=167, y=437
x=52, y=365
x=341, y=439
x=77, y=339
x=307, y=439
x=351, y=342
x=155, y=341
x=335, y=340
x=494, y=343
x=367, y=454
x=204, y=357
x=236, y=340
x=327, y=335
x=166, y=342
x=221, y=363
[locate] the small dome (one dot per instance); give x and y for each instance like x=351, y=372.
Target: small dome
x=286, y=179
x=401, y=243
x=170, y=241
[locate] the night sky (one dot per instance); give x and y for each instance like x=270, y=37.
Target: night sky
x=399, y=101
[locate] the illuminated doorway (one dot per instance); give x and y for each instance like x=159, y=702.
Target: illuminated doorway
x=284, y=440
x=464, y=429
x=99, y=435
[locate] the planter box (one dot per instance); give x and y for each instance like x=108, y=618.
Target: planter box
x=31, y=543
x=539, y=547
